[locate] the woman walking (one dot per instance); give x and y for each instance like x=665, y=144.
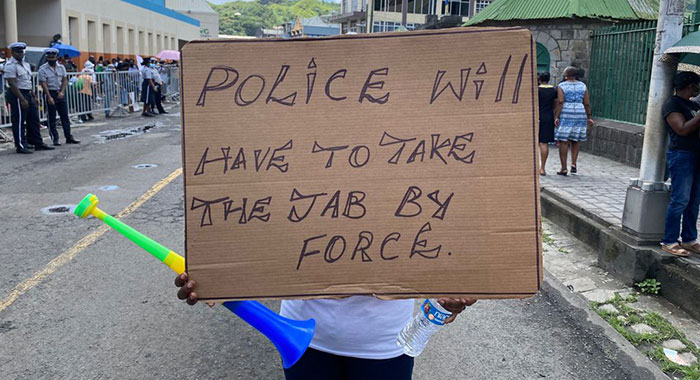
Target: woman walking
x=548, y=99
x=572, y=117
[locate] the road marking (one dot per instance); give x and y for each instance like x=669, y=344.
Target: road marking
x=83, y=243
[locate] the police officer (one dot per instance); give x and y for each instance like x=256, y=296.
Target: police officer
x=53, y=79
x=148, y=88
x=158, y=98
x=23, y=102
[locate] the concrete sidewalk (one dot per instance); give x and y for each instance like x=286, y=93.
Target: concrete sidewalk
x=599, y=188
x=590, y=204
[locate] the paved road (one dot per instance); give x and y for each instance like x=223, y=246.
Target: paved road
x=111, y=312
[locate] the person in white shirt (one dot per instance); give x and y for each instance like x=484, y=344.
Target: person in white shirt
x=148, y=89
x=158, y=95
x=54, y=79
x=23, y=102
x=90, y=64
x=355, y=337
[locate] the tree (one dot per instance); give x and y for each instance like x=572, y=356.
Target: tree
x=243, y=18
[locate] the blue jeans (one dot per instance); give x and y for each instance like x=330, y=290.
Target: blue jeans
x=684, y=168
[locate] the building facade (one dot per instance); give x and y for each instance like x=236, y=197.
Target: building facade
x=201, y=11
x=108, y=28
x=385, y=15
x=310, y=27
x=562, y=31
x=352, y=17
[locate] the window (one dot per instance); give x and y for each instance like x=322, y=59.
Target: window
x=106, y=39
x=390, y=26
x=456, y=8
x=542, y=59
x=414, y=6
x=120, y=40
x=142, y=43
x=480, y=5
x=73, y=34
x=92, y=36
x=132, y=43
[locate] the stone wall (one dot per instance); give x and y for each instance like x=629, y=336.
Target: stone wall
x=567, y=40
x=621, y=142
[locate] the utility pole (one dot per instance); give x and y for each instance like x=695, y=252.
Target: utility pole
x=404, y=12
x=645, y=205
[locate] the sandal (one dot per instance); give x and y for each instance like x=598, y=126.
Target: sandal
x=542, y=172
x=675, y=249
x=573, y=169
x=693, y=246
x=563, y=172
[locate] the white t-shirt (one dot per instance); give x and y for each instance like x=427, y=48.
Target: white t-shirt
x=359, y=326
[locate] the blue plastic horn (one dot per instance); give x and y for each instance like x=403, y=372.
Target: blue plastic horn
x=290, y=337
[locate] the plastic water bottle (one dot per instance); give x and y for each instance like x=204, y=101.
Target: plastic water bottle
x=415, y=335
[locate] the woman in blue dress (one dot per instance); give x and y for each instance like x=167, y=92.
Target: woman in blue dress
x=572, y=118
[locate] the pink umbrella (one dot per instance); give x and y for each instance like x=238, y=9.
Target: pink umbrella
x=169, y=55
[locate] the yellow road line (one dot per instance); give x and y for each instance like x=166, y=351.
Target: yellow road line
x=83, y=243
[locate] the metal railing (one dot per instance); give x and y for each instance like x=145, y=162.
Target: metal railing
x=106, y=92
x=620, y=69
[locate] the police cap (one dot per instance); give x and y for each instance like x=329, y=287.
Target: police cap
x=18, y=46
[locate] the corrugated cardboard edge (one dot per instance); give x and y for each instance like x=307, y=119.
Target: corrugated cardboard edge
x=407, y=293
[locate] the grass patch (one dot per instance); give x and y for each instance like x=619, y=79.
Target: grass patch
x=665, y=330
x=649, y=286
x=547, y=238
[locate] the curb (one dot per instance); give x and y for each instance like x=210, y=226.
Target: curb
x=625, y=260
x=623, y=351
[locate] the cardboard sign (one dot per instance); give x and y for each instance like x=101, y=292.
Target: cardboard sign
x=398, y=165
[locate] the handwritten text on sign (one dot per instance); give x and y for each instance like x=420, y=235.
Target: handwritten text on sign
x=298, y=160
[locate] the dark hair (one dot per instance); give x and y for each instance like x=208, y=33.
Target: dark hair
x=684, y=79
x=543, y=77
x=57, y=36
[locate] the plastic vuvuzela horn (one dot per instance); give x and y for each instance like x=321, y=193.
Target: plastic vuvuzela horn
x=291, y=337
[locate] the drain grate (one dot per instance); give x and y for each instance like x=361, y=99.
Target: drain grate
x=58, y=209
x=144, y=166
x=109, y=188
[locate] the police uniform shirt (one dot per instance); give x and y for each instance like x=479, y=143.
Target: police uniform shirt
x=20, y=71
x=155, y=75
x=53, y=76
x=146, y=73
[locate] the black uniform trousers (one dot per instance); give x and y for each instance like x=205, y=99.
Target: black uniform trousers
x=147, y=95
x=19, y=116
x=60, y=106
x=158, y=98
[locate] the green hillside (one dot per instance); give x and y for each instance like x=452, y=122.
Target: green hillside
x=243, y=18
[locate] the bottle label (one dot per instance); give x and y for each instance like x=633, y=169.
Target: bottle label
x=433, y=314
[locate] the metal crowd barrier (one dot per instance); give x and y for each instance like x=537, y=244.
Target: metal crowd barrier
x=107, y=92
